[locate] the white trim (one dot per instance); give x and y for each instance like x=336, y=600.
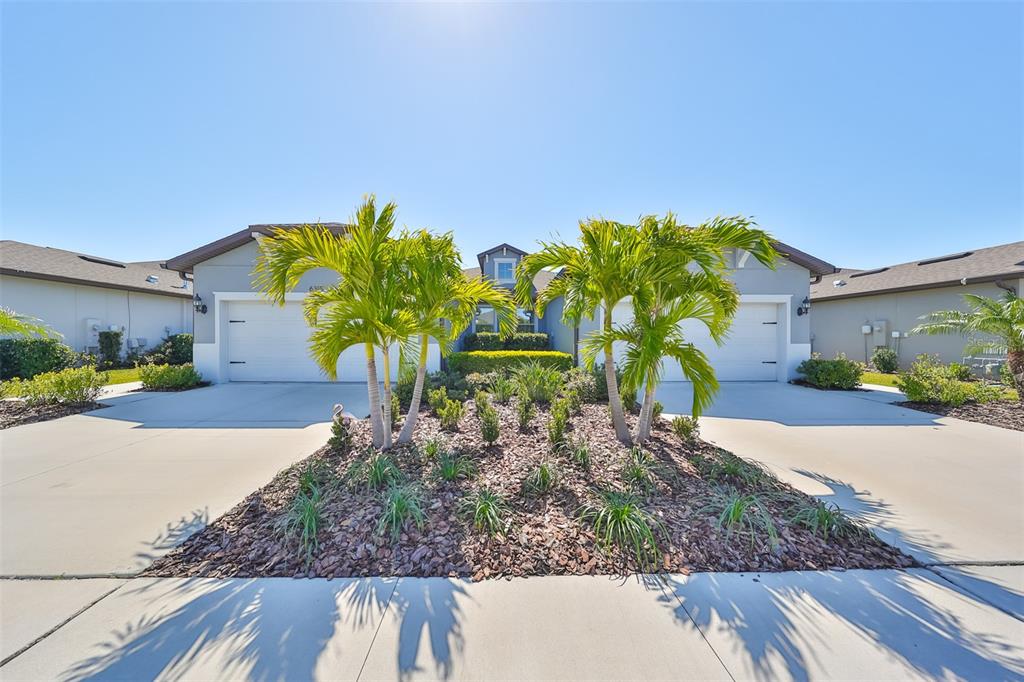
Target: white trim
x=497, y=262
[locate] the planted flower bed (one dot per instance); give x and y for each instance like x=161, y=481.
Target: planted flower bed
x=453, y=505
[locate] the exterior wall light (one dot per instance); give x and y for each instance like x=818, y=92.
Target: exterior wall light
x=804, y=307
x=197, y=303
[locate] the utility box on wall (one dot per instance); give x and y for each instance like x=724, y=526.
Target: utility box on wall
x=91, y=333
x=880, y=333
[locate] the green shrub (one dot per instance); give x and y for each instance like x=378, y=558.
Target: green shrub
x=541, y=480
x=174, y=350
x=404, y=387
x=72, y=386
x=885, y=360
x=494, y=341
x=480, y=381
x=25, y=358
x=572, y=400
x=453, y=382
x=450, y=413
x=486, y=509
x=837, y=373
x=451, y=467
x=401, y=503
x=110, y=347
x=1006, y=376
x=558, y=421
x=686, y=428
x=169, y=377
x=585, y=384
x=341, y=436
x=504, y=388
x=489, y=425
x=656, y=411
x=482, y=400
x=466, y=362
x=618, y=519
x=524, y=412
x=433, y=449
x=960, y=372
x=538, y=382
x=437, y=398
x=928, y=381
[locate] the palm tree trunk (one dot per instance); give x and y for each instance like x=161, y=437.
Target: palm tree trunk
x=373, y=391
x=614, y=399
x=387, y=396
x=1015, y=361
x=643, y=426
x=417, y=393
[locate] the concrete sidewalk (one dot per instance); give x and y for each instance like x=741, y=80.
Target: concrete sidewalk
x=855, y=624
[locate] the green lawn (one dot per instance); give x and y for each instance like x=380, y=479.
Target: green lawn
x=879, y=379
x=123, y=376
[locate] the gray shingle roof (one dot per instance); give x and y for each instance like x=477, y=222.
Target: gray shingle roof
x=43, y=262
x=540, y=281
x=1005, y=261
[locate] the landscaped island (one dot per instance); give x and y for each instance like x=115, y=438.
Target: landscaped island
x=450, y=504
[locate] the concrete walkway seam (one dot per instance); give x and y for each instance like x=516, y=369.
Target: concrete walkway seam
x=974, y=594
x=664, y=588
x=383, y=613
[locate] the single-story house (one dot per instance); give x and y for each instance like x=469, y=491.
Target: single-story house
x=79, y=295
x=241, y=337
x=857, y=311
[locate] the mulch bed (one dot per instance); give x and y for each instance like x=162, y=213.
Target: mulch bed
x=16, y=412
x=544, y=537
x=1008, y=414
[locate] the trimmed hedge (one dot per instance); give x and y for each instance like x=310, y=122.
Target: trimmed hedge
x=25, y=358
x=518, y=341
x=73, y=386
x=838, y=372
x=467, y=362
x=169, y=377
x=176, y=349
x=929, y=381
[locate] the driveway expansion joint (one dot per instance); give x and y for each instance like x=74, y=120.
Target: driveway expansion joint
x=383, y=613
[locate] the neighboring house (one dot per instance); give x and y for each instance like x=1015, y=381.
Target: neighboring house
x=239, y=336
x=769, y=337
x=856, y=311
x=80, y=295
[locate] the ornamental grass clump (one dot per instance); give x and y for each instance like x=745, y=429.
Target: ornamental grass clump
x=744, y=514
x=379, y=471
x=503, y=389
x=541, y=480
x=541, y=384
x=728, y=467
x=302, y=522
x=400, y=504
x=486, y=510
x=618, y=519
x=638, y=471
x=577, y=452
x=824, y=519
x=451, y=467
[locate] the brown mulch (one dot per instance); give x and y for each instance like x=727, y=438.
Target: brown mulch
x=1008, y=414
x=544, y=535
x=16, y=412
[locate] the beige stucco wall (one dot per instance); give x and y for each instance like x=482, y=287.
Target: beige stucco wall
x=66, y=307
x=836, y=325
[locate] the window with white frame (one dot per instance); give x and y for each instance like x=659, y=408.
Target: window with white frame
x=505, y=269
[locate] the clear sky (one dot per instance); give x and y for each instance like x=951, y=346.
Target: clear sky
x=865, y=133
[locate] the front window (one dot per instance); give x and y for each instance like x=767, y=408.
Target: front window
x=485, y=320
x=505, y=270
x=525, y=320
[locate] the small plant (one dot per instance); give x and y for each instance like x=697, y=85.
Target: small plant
x=450, y=413
x=401, y=503
x=524, y=411
x=169, y=377
x=541, y=480
x=541, y=384
x=486, y=509
x=838, y=373
x=585, y=384
x=433, y=449
x=503, y=389
x=396, y=408
x=302, y=522
x=656, y=411
x=451, y=467
x=341, y=435
x=573, y=400
x=489, y=425
x=73, y=386
x=315, y=476
x=743, y=513
x=628, y=400
x=824, y=519
x=557, y=422
x=686, y=428
x=110, y=347
x=885, y=360
x=437, y=398
x=482, y=400
x=578, y=452
x=728, y=468
x=960, y=371
x=380, y=471
x=620, y=520
x=637, y=472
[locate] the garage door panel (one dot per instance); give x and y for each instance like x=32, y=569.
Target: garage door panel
x=271, y=343
x=749, y=353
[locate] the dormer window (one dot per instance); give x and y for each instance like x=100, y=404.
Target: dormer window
x=505, y=270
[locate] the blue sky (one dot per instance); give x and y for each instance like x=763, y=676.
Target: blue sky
x=865, y=133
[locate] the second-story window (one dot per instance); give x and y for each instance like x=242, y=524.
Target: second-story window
x=505, y=270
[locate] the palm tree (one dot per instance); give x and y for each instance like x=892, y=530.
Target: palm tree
x=992, y=325
x=440, y=292
x=13, y=324
x=366, y=306
x=598, y=273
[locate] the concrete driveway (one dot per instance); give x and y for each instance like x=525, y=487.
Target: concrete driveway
x=106, y=492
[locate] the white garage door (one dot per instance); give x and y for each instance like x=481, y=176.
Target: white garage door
x=271, y=343
x=750, y=352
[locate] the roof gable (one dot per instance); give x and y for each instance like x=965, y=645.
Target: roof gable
x=188, y=260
